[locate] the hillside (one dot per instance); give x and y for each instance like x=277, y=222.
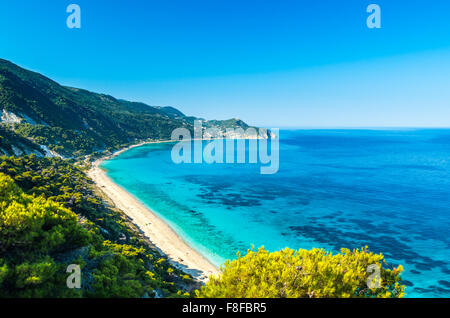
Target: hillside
x=75, y=122
x=51, y=216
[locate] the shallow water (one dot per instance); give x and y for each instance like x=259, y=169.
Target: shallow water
x=389, y=190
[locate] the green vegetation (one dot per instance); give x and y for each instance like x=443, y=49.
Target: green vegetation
x=302, y=273
x=50, y=217
x=66, y=142
x=64, y=117
x=10, y=141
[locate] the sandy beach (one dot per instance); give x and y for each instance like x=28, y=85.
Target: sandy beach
x=158, y=232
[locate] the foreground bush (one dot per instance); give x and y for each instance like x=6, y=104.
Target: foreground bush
x=315, y=273
x=50, y=218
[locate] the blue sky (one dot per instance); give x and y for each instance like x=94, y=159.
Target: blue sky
x=273, y=63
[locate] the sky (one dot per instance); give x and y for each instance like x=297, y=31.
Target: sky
x=311, y=63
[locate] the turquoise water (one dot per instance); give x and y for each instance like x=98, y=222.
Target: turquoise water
x=389, y=190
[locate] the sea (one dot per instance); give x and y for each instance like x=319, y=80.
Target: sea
x=335, y=188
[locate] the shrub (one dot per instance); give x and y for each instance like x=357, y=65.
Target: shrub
x=292, y=274
x=35, y=223
x=41, y=234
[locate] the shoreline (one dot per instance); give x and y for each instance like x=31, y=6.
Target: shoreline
x=161, y=234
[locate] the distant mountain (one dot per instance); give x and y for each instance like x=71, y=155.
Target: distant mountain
x=230, y=123
x=38, y=115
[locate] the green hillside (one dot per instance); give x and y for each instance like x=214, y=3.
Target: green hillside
x=51, y=216
x=12, y=143
x=75, y=122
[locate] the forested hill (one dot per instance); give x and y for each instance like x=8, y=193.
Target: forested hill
x=74, y=122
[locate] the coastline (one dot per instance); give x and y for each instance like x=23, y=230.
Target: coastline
x=169, y=243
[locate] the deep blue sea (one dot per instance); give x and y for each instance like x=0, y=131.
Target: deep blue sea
x=389, y=190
